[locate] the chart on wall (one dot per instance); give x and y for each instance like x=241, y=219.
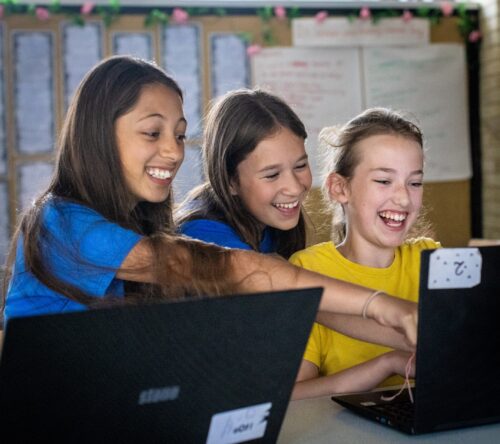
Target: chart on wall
x=318, y=84
x=328, y=86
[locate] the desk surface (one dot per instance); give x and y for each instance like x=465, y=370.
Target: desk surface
x=322, y=421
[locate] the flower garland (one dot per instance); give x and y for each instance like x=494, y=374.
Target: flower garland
x=468, y=25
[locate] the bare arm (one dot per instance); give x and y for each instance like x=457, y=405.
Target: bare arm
x=365, y=330
x=254, y=272
x=362, y=377
x=339, y=297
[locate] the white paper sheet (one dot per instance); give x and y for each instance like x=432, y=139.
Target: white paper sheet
x=82, y=49
x=137, y=44
x=229, y=63
x=340, y=31
x=182, y=59
x=34, y=91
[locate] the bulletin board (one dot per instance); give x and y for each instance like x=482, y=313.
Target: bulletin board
x=42, y=63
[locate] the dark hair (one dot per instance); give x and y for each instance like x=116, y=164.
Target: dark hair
x=235, y=125
x=87, y=172
x=338, y=148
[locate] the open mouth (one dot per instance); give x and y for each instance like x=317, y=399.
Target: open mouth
x=393, y=218
x=286, y=206
x=159, y=173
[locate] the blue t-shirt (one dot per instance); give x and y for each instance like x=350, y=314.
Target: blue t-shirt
x=82, y=249
x=222, y=234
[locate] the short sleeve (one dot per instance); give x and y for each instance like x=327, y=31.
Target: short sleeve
x=313, y=348
x=83, y=248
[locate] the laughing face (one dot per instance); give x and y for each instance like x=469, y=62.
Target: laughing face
x=150, y=141
x=273, y=180
x=382, y=199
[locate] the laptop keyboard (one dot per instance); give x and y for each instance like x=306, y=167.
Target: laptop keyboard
x=397, y=411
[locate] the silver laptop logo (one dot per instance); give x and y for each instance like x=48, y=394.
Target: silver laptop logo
x=159, y=394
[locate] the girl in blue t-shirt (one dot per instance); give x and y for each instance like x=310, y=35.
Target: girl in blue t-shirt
x=102, y=230
x=257, y=176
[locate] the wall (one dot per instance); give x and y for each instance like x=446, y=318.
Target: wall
x=448, y=203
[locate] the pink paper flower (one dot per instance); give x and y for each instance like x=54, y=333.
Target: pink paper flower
x=180, y=16
x=364, y=13
x=475, y=36
x=407, y=16
x=280, y=12
x=321, y=16
x=253, y=49
x=42, y=13
x=87, y=8
x=447, y=8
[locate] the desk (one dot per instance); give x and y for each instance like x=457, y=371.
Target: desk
x=322, y=421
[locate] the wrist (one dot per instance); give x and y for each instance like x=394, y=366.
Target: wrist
x=369, y=306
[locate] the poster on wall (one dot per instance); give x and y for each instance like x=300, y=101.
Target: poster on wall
x=329, y=86
x=4, y=222
x=3, y=141
x=229, y=67
x=33, y=91
x=78, y=58
x=32, y=179
x=342, y=31
x=181, y=54
x=321, y=85
x=190, y=173
x=137, y=44
x=428, y=82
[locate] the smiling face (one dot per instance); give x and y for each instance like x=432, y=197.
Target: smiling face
x=150, y=141
x=382, y=199
x=273, y=180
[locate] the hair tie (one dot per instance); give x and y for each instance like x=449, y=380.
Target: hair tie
x=368, y=301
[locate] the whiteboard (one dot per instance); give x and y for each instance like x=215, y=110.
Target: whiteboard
x=329, y=86
x=321, y=85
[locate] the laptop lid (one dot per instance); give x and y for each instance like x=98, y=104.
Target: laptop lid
x=458, y=351
x=201, y=370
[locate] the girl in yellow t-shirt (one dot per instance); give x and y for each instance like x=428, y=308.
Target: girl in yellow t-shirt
x=373, y=181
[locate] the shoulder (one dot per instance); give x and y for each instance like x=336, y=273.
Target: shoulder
x=410, y=251
x=195, y=227
x=318, y=252
x=76, y=226
x=213, y=231
x=420, y=243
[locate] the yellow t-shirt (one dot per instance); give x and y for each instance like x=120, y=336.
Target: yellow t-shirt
x=332, y=351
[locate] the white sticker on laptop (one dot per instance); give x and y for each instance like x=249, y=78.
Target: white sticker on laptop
x=454, y=268
x=239, y=425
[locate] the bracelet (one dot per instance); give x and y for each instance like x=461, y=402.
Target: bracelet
x=368, y=301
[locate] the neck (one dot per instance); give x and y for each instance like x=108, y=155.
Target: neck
x=367, y=255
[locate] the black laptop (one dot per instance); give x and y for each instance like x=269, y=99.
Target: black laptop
x=457, y=381
x=211, y=370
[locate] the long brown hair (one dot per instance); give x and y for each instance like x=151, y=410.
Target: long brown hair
x=235, y=125
x=88, y=172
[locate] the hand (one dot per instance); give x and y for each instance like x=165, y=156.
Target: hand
x=398, y=313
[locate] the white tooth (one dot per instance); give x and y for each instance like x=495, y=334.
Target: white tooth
x=159, y=173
